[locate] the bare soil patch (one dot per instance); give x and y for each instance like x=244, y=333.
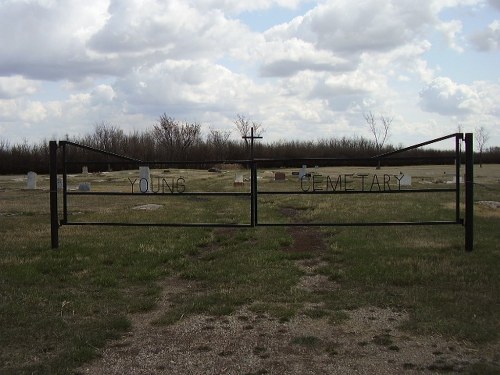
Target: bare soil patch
x=250, y=343
x=247, y=342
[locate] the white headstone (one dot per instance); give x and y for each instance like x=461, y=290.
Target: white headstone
x=405, y=180
x=303, y=171
x=84, y=186
x=144, y=180
x=238, y=178
x=59, y=184
x=31, y=180
x=454, y=181
x=85, y=170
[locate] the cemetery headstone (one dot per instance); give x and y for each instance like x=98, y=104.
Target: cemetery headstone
x=31, y=180
x=454, y=181
x=85, y=170
x=303, y=171
x=144, y=179
x=279, y=176
x=238, y=180
x=405, y=180
x=59, y=184
x=84, y=186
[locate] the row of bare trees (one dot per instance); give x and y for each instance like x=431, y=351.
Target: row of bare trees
x=170, y=139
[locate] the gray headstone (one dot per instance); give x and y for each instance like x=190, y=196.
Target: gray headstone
x=144, y=180
x=84, y=186
x=85, y=170
x=31, y=184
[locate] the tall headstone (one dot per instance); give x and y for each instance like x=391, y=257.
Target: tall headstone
x=85, y=170
x=60, y=185
x=31, y=184
x=144, y=180
x=303, y=171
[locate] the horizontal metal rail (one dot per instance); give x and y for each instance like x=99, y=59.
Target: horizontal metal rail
x=362, y=224
x=179, y=225
x=139, y=194
x=323, y=192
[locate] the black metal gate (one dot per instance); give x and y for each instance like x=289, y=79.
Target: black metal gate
x=310, y=185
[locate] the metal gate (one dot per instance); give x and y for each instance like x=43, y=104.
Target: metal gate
x=316, y=184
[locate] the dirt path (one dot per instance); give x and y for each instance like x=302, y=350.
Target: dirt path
x=369, y=342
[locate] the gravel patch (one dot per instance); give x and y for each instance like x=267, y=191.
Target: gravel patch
x=253, y=343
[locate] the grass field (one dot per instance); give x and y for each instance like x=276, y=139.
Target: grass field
x=58, y=307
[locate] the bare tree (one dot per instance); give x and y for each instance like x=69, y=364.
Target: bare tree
x=107, y=137
x=481, y=137
x=379, y=128
x=219, y=141
x=244, y=127
x=165, y=133
x=4, y=145
x=176, y=137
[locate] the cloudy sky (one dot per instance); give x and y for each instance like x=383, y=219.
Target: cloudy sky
x=304, y=69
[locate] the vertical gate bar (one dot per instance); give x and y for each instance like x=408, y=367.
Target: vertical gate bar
x=65, y=185
x=252, y=182
x=253, y=195
x=54, y=219
x=458, y=140
x=469, y=192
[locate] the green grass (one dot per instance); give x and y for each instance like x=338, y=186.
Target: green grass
x=58, y=307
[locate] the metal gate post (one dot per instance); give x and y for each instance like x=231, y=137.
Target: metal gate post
x=54, y=219
x=469, y=192
x=253, y=179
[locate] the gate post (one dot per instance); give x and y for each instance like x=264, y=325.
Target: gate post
x=253, y=179
x=469, y=192
x=54, y=219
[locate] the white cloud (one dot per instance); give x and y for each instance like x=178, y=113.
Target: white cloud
x=167, y=29
x=285, y=58
x=185, y=88
x=450, y=30
x=371, y=25
x=47, y=39
x=34, y=112
x=488, y=39
x=238, y=6
x=102, y=94
x=12, y=87
x=446, y=97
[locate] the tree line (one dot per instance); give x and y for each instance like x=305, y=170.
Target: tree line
x=173, y=140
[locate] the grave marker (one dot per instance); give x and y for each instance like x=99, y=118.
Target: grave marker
x=59, y=184
x=84, y=186
x=238, y=180
x=404, y=180
x=303, y=171
x=31, y=180
x=145, y=180
x=279, y=176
